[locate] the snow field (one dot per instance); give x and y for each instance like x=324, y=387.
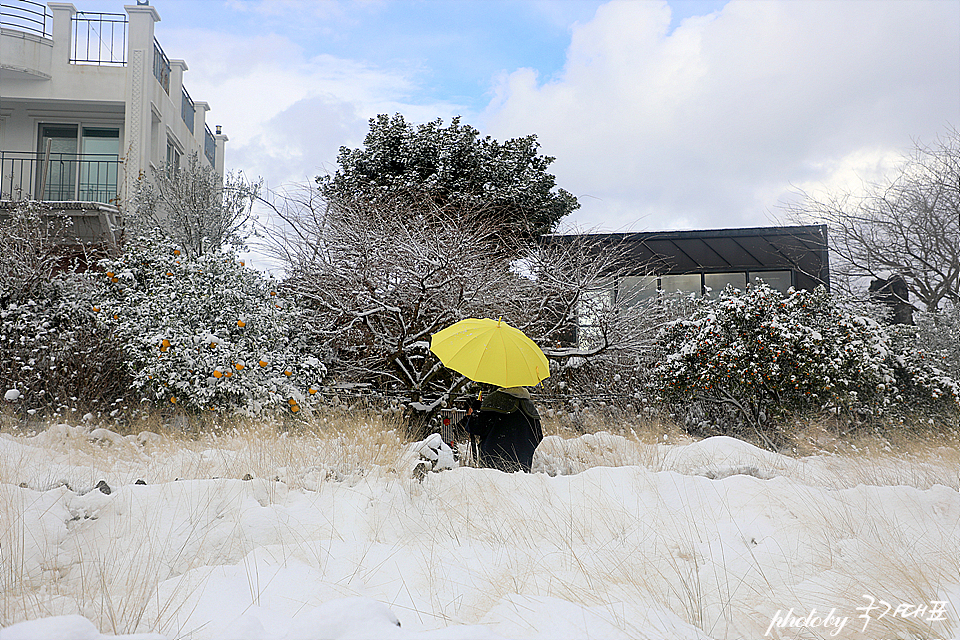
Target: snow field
x=615, y=539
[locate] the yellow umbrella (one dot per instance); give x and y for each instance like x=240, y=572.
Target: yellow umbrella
x=491, y=351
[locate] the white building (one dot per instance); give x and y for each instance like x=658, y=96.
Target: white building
x=89, y=103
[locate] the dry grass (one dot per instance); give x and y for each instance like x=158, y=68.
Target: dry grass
x=595, y=551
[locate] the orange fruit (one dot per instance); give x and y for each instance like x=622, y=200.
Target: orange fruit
x=238, y=365
x=176, y=252
x=264, y=363
x=291, y=401
x=312, y=390
x=173, y=400
x=288, y=373
x=295, y=408
x=218, y=374
x=241, y=324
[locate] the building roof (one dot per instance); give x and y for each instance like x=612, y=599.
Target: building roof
x=802, y=249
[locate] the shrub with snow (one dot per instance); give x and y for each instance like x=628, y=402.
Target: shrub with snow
x=939, y=335
x=206, y=332
x=758, y=356
x=51, y=350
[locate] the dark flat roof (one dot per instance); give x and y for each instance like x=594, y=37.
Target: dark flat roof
x=801, y=249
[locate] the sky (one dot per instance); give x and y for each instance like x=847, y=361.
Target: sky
x=682, y=114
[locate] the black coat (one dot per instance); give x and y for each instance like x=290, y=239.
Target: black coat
x=509, y=431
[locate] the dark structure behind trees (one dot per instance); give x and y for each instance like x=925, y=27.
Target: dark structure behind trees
x=702, y=261
x=894, y=293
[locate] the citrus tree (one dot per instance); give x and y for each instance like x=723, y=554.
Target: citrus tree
x=205, y=332
x=759, y=356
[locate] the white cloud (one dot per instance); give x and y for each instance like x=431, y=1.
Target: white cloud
x=710, y=124
x=286, y=114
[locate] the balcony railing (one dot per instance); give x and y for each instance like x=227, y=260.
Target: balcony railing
x=27, y=16
x=89, y=177
x=161, y=67
x=209, y=146
x=99, y=38
x=187, y=110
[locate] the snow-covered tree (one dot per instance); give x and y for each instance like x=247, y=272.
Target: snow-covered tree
x=759, y=356
x=30, y=251
x=452, y=168
x=205, y=332
x=380, y=279
x=195, y=207
x=908, y=225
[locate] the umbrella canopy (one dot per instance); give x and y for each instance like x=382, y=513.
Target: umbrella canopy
x=491, y=351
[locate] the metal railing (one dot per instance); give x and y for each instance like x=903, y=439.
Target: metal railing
x=99, y=38
x=187, y=110
x=90, y=177
x=209, y=146
x=161, y=67
x=27, y=16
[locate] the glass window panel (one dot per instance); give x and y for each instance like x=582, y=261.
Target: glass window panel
x=779, y=280
x=715, y=282
x=62, y=169
x=637, y=289
x=685, y=284
x=99, y=165
x=173, y=157
x=590, y=311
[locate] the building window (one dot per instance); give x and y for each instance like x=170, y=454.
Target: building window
x=591, y=309
x=99, y=165
x=83, y=163
x=173, y=156
x=779, y=280
x=685, y=284
x=714, y=283
x=634, y=290
x=58, y=172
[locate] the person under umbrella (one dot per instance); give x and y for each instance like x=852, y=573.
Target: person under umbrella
x=492, y=352
x=508, y=427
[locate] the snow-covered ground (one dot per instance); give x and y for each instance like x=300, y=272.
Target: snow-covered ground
x=611, y=539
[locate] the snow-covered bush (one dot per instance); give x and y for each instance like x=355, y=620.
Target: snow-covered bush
x=206, y=333
x=939, y=335
x=51, y=350
x=759, y=356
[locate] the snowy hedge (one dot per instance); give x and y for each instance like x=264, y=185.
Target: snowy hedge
x=51, y=350
x=939, y=334
x=51, y=355
x=205, y=333
x=757, y=356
